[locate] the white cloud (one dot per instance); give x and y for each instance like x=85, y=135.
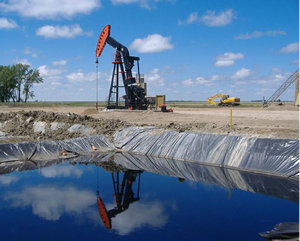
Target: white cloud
x=22, y=61
x=258, y=34
x=55, y=83
x=291, y=48
x=29, y=52
x=215, y=77
x=201, y=81
x=80, y=77
x=276, y=77
x=59, y=63
x=192, y=18
x=187, y=82
x=45, y=71
x=260, y=81
x=119, y=2
x=227, y=59
x=295, y=62
x=71, y=31
x=147, y=4
x=51, y=76
x=275, y=71
x=210, y=19
x=49, y=9
x=50, y=202
x=240, y=83
x=152, y=44
x=154, y=78
x=242, y=73
x=7, y=23
x=215, y=20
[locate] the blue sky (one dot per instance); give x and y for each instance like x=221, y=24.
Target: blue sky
x=189, y=50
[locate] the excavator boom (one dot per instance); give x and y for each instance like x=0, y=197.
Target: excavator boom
x=224, y=101
x=210, y=99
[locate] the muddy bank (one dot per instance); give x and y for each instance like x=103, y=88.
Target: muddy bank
x=41, y=125
x=36, y=124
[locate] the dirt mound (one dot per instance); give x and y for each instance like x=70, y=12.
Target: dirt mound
x=90, y=111
x=41, y=125
x=283, y=107
x=56, y=126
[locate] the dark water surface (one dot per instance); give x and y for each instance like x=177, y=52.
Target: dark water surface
x=59, y=202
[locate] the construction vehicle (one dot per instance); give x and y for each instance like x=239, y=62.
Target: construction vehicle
x=224, y=101
x=134, y=94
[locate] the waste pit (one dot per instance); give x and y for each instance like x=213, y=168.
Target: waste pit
x=150, y=183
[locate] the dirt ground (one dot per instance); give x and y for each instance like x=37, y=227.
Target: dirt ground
x=273, y=122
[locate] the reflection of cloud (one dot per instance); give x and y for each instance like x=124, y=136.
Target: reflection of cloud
x=6, y=180
x=61, y=171
x=50, y=202
x=208, y=187
x=191, y=184
x=140, y=214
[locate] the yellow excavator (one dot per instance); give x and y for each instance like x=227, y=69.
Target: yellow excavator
x=224, y=101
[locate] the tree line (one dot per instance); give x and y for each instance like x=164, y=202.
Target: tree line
x=16, y=82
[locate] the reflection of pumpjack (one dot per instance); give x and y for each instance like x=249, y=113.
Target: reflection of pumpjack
x=123, y=199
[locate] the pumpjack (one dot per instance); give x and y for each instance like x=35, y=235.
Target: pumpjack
x=134, y=94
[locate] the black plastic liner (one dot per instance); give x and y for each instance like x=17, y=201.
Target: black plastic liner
x=47, y=150
x=269, y=156
x=283, y=231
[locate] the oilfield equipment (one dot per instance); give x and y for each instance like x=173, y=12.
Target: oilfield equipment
x=294, y=78
x=224, y=101
x=135, y=88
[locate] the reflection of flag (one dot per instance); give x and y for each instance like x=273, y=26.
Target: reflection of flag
x=103, y=213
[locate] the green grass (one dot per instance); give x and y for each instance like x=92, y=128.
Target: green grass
x=204, y=104
x=170, y=104
x=56, y=104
